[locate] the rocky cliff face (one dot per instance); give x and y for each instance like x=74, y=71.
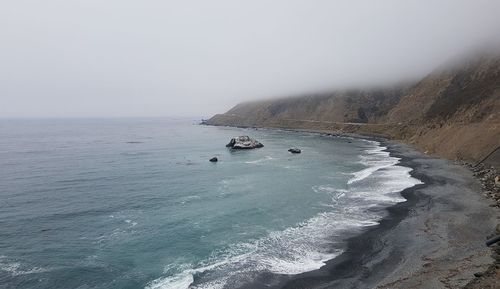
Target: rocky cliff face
x=453, y=112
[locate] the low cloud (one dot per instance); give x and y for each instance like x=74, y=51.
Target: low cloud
x=171, y=58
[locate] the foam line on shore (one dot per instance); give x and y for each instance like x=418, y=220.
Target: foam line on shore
x=307, y=246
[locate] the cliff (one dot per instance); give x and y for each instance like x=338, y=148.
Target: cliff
x=454, y=112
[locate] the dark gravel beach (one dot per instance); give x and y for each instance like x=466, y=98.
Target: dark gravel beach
x=433, y=240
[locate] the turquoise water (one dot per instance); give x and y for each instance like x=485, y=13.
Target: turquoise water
x=135, y=203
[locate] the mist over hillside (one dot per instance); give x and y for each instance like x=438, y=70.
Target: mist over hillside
x=454, y=111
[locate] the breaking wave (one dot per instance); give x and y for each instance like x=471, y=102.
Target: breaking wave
x=306, y=246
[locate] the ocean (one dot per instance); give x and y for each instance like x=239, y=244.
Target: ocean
x=135, y=203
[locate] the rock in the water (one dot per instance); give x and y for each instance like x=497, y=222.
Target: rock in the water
x=295, y=151
x=214, y=160
x=243, y=142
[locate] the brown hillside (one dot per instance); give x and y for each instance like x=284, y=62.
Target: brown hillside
x=453, y=112
x=360, y=106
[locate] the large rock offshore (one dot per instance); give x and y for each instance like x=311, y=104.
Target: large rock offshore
x=243, y=142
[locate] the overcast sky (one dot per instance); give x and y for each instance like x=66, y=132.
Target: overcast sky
x=106, y=58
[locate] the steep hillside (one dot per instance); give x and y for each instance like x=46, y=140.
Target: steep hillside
x=453, y=112
x=358, y=106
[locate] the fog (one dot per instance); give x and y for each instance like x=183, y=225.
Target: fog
x=89, y=58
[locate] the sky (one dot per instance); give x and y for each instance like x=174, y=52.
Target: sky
x=121, y=58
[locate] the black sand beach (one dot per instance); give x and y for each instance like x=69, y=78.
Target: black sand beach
x=433, y=240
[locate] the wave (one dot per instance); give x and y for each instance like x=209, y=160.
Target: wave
x=132, y=223
x=176, y=282
x=295, y=250
x=308, y=245
x=375, y=159
x=382, y=180
x=17, y=269
x=267, y=158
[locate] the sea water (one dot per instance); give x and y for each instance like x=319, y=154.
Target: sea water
x=135, y=203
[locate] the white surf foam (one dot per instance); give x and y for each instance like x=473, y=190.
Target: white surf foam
x=295, y=250
x=15, y=268
x=310, y=244
x=181, y=281
x=375, y=159
x=386, y=177
x=267, y=158
x=132, y=223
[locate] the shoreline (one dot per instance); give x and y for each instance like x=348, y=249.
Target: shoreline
x=413, y=246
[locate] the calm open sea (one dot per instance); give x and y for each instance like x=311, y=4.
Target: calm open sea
x=135, y=203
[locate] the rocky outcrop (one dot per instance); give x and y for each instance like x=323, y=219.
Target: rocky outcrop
x=243, y=142
x=487, y=176
x=489, y=278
